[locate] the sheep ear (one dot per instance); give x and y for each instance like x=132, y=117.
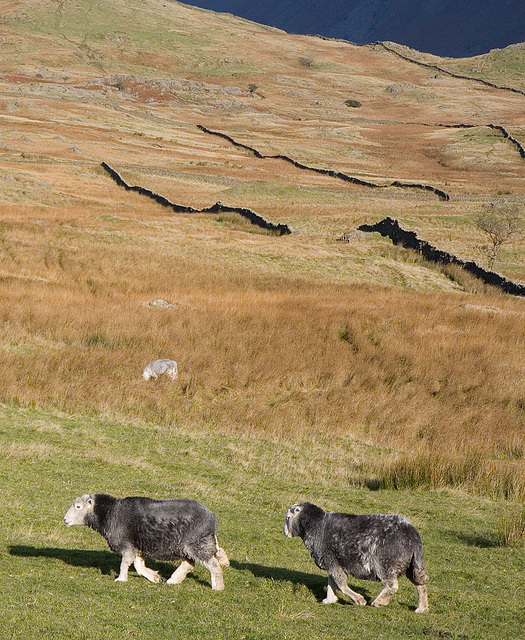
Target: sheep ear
x=90, y=501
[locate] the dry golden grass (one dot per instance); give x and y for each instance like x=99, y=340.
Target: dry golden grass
x=295, y=336
x=259, y=348
x=512, y=525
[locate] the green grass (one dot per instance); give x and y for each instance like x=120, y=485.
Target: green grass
x=504, y=67
x=118, y=24
x=58, y=582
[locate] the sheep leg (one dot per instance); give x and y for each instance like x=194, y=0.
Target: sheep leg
x=422, y=605
x=180, y=572
x=331, y=595
x=390, y=588
x=127, y=558
x=143, y=570
x=214, y=567
x=337, y=579
x=222, y=557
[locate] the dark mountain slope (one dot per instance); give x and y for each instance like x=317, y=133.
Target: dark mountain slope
x=443, y=27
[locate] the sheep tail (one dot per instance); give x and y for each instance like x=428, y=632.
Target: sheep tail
x=417, y=572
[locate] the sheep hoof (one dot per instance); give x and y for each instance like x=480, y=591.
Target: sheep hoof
x=378, y=604
x=155, y=578
x=422, y=610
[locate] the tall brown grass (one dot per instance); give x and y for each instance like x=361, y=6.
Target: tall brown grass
x=511, y=529
x=437, y=377
x=471, y=469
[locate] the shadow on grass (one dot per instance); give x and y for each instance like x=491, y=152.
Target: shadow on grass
x=315, y=583
x=106, y=562
x=475, y=540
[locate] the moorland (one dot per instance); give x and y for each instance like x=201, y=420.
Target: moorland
x=326, y=365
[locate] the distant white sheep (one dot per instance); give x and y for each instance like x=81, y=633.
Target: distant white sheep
x=160, y=368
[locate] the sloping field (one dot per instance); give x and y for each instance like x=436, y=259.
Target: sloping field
x=314, y=365
x=286, y=334
x=58, y=581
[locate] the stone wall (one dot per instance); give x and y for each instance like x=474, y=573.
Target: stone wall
x=218, y=207
x=390, y=228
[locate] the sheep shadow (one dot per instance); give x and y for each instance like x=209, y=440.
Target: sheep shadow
x=106, y=562
x=474, y=540
x=316, y=584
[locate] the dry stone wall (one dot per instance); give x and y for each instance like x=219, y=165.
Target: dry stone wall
x=390, y=228
x=435, y=67
x=442, y=195
x=218, y=207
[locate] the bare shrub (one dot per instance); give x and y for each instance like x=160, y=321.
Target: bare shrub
x=307, y=60
x=121, y=82
x=501, y=222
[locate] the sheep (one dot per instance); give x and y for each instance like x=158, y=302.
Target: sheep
x=368, y=547
x=160, y=529
x=160, y=367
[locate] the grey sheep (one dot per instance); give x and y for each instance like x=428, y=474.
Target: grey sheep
x=159, y=529
x=368, y=547
x=160, y=368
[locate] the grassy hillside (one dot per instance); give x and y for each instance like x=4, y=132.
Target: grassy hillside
x=297, y=334
x=503, y=67
x=58, y=582
x=310, y=367
x=353, y=363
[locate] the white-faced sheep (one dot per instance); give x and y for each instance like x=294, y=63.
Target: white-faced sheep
x=159, y=529
x=368, y=547
x=163, y=367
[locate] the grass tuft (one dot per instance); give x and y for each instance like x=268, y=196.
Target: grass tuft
x=469, y=470
x=511, y=526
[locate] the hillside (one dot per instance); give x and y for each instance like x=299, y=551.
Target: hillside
x=441, y=27
x=273, y=588
x=275, y=334
x=142, y=144
x=130, y=86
